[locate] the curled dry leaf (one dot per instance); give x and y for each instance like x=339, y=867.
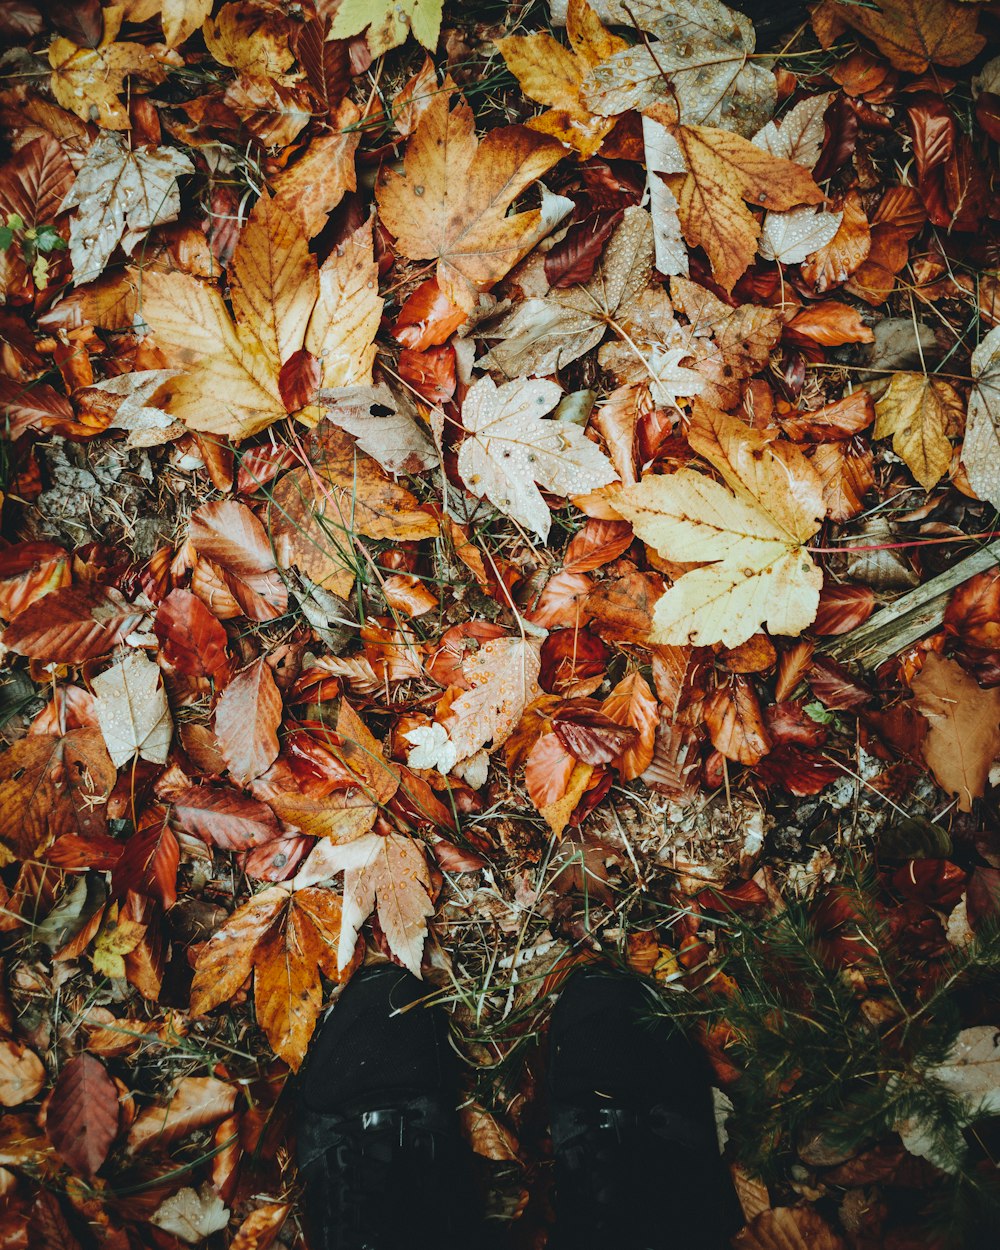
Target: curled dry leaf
x=82, y=1116
x=735, y=723
x=247, y=719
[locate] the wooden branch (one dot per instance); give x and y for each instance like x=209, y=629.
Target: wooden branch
x=908, y=618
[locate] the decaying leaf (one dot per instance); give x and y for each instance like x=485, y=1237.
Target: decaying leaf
x=919, y=411
x=964, y=737
x=192, y=1214
x=981, y=449
x=131, y=706
x=753, y=534
x=509, y=446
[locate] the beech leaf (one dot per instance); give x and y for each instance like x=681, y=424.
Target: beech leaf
x=246, y=722
x=964, y=737
x=82, y=1117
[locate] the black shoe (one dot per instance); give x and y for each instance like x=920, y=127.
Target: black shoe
x=381, y=1155
x=637, y=1163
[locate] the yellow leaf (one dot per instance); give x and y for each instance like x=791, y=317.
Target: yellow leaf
x=557, y=814
x=389, y=22
x=348, y=308
x=273, y=281
x=717, y=171
x=316, y=183
x=919, y=412
x=552, y=74
x=116, y=939
x=88, y=81
x=251, y=39
x=750, y=542
x=450, y=203
x=180, y=18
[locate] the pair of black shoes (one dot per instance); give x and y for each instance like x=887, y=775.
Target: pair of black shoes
x=384, y=1165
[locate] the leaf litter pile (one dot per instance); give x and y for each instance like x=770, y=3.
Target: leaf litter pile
x=489, y=490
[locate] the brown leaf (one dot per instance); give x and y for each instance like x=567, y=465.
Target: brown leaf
x=82, y=1117
x=50, y=786
x=195, y=1102
x=22, y=1073
x=841, y=419
x=598, y=543
x=246, y=722
x=833, y=264
x=547, y=771
x=227, y=533
x=260, y=1229
x=223, y=817
x=591, y=736
x=632, y=702
x=843, y=608
x=192, y=641
x=735, y=723
x=487, y=1136
x=847, y=474
x=29, y=571
x=148, y=864
x=74, y=624
x=831, y=324
x=788, y=1228
x=916, y=33
x=964, y=737
x=34, y=183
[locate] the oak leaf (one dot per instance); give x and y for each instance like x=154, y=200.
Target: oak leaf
x=553, y=75
x=981, y=449
x=714, y=172
x=286, y=939
x=246, y=722
x=388, y=22
x=132, y=710
x=389, y=873
x=450, y=202
x=120, y=195
x=964, y=737
x=229, y=384
x=508, y=447
x=752, y=533
x=919, y=411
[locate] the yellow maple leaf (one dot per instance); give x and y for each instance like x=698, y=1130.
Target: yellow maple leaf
x=180, y=18
x=712, y=172
x=750, y=538
x=553, y=74
x=450, y=203
x=281, y=303
x=919, y=412
x=388, y=22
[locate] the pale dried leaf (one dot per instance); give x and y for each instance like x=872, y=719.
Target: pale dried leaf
x=132, y=710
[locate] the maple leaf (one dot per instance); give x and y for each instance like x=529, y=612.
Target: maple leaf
x=553, y=74
x=132, y=710
x=285, y=938
x=509, y=446
x=120, y=196
x=450, y=202
x=385, y=872
x=282, y=303
x=180, y=18
x=919, y=411
x=914, y=33
x=964, y=737
x=981, y=449
x=388, y=22
x=750, y=537
x=192, y=1214
x=503, y=680
x=713, y=172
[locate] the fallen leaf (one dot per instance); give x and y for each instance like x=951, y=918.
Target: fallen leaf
x=735, y=722
x=389, y=873
x=120, y=195
x=192, y=641
x=981, y=449
x=487, y=1136
x=88, y=81
x=131, y=706
x=836, y=261
x=450, y=202
x=972, y=1069
x=553, y=75
x=180, y=18
x=260, y=1229
x=508, y=447
x=631, y=702
x=73, y=624
x=830, y=324
x=916, y=33
x=788, y=1228
x=503, y=678
x=388, y=22
x=195, y=1102
x=81, y=1121
x=22, y=1073
x=247, y=718
x=28, y=572
x=223, y=817
x=919, y=411
x=228, y=534
x=192, y=1214
x=964, y=737
x=53, y=785
x=286, y=939
x=754, y=537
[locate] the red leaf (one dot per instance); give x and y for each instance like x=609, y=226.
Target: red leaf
x=934, y=132
x=20, y=20
x=73, y=851
x=831, y=324
x=29, y=571
x=569, y=656
x=277, y=860
x=193, y=641
x=431, y=373
x=789, y=722
x=48, y=1227
x=260, y=465
x=148, y=864
x=225, y=818
x=246, y=722
x=562, y=603
x=34, y=183
x=835, y=687
x=299, y=380
x=842, y=608
x=800, y=771
x=988, y=114
x=842, y=419
x=32, y=406
x=574, y=257
x=82, y=1117
x=735, y=723
x=427, y=319
x=589, y=735
x=598, y=543
x=74, y=624
x=227, y=533
x=445, y=665
x=547, y=771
